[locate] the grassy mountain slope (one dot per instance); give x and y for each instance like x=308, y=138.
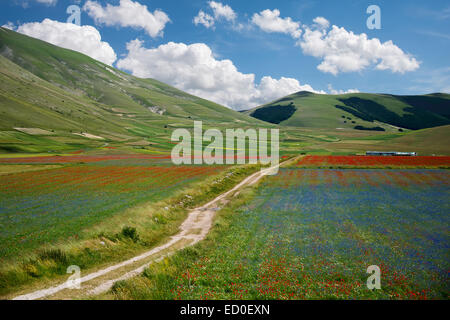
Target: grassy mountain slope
x=431, y=141
x=368, y=111
x=58, y=100
x=65, y=92
x=426, y=141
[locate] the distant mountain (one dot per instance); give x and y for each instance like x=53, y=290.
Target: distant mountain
x=361, y=111
x=57, y=100
x=65, y=93
x=426, y=141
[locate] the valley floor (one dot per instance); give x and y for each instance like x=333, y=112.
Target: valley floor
x=309, y=232
x=312, y=234
x=192, y=230
x=104, y=210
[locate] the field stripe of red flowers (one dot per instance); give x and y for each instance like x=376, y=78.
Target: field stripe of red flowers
x=75, y=157
x=374, y=161
x=81, y=158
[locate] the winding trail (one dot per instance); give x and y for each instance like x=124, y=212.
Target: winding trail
x=192, y=230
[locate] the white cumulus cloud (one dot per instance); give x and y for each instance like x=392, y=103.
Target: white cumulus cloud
x=321, y=22
x=271, y=89
x=222, y=11
x=219, y=11
x=345, y=51
x=9, y=26
x=194, y=69
x=128, y=14
x=340, y=50
x=84, y=39
x=334, y=91
x=204, y=19
x=270, y=21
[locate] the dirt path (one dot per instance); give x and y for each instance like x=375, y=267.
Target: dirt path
x=192, y=230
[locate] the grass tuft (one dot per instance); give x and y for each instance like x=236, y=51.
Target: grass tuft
x=57, y=255
x=130, y=232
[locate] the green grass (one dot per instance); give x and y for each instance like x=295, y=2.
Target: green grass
x=274, y=113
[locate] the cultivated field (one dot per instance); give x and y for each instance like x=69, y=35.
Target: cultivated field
x=90, y=210
x=43, y=207
x=374, y=162
x=311, y=234
x=86, y=179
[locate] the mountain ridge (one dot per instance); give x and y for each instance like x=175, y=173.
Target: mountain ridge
x=61, y=101
x=68, y=93
x=353, y=109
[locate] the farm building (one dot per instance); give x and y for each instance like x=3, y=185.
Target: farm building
x=390, y=153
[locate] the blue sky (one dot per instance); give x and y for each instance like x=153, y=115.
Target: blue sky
x=271, y=49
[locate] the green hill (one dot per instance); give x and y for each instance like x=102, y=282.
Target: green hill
x=431, y=141
x=67, y=94
x=57, y=100
x=426, y=141
x=363, y=111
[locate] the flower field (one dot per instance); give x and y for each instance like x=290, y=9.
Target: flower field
x=311, y=234
x=76, y=158
x=41, y=207
x=374, y=161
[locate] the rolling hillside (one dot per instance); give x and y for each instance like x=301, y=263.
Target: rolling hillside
x=361, y=111
x=54, y=99
x=60, y=101
x=426, y=142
